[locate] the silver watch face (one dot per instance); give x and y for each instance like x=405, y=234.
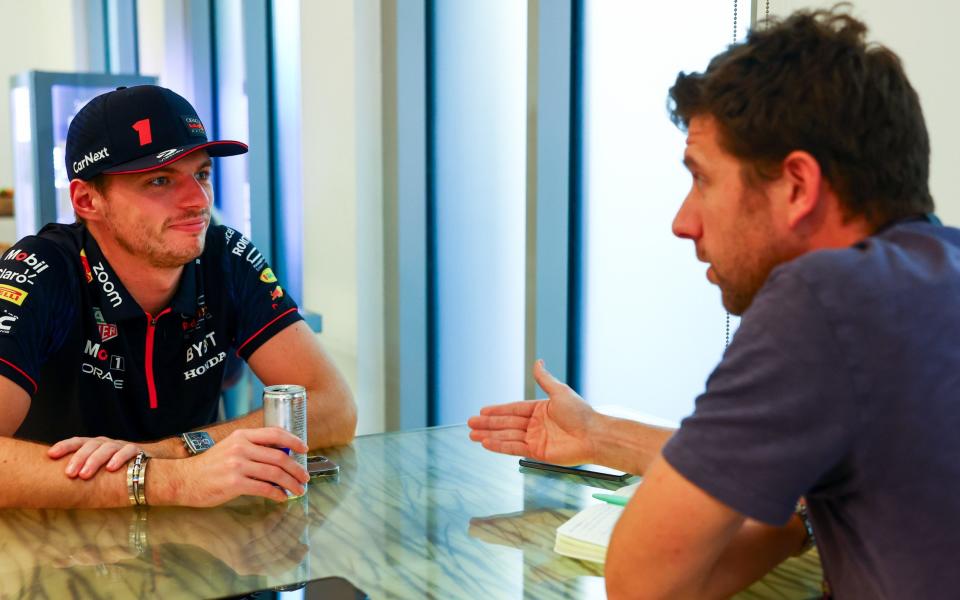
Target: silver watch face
x=198, y=441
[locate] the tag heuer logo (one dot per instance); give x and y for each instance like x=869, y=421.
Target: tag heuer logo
x=107, y=331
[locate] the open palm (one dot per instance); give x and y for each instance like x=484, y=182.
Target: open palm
x=556, y=430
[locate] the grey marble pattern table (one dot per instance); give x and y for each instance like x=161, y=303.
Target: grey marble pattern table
x=416, y=514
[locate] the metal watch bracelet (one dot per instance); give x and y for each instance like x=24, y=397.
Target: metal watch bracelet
x=810, y=541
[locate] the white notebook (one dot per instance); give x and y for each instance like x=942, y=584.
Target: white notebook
x=587, y=535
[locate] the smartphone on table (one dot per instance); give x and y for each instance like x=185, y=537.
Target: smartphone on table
x=321, y=466
x=596, y=471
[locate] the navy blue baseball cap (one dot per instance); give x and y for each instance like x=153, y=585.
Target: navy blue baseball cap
x=137, y=129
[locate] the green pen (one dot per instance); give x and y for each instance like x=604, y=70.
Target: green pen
x=611, y=499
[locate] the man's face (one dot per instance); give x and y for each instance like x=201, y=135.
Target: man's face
x=161, y=215
x=731, y=224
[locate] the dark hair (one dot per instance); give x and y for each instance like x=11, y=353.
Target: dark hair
x=812, y=83
x=99, y=183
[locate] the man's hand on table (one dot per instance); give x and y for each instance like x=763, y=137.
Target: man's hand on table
x=248, y=462
x=557, y=430
x=92, y=454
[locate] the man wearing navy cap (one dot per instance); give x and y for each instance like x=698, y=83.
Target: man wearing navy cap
x=114, y=331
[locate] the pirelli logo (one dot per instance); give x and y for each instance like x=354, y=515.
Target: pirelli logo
x=12, y=294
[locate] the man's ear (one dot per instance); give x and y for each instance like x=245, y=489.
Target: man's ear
x=86, y=200
x=804, y=186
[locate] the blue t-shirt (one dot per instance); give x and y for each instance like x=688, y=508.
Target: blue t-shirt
x=843, y=385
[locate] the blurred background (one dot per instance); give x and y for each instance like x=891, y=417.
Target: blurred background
x=452, y=188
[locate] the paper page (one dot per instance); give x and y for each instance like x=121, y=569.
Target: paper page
x=593, y=525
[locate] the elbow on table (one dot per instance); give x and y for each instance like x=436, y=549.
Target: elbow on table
x=346, y=430
x=350, y=423
x=625, y=585
x=629, y=574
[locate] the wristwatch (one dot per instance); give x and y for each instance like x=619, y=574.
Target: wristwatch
x=197, y=441
x=810, y=540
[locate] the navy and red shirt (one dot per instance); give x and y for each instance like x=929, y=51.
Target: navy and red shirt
x=94, y=363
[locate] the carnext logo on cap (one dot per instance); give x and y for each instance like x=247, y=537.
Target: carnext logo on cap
x=89, y=159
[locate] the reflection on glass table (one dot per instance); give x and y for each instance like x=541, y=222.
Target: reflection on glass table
x=416, y=514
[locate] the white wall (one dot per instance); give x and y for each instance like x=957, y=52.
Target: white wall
x=479, y=178
x=153, y=38
x=923, y=33
x=653, y=327
x=343, y=192
x=37, y=34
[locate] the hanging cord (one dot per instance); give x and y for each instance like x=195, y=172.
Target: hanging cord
x=726, y=338
x=766, y=21
x=734, y=21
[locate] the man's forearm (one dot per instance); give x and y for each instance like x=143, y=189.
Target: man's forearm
x=753, y=551
x=756, y=550
x=331, y=421
x=627, y=445
x=32, y=480
x=332, y=418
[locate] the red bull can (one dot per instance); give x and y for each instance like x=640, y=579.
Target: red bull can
x=285, y=406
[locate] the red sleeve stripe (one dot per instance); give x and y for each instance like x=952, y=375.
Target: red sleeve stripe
x=19, y=370
x=250, y=339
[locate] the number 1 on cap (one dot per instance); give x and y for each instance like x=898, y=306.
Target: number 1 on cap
x=143, y=130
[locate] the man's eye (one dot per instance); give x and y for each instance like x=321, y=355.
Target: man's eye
x=159, y=181
x=203, y=176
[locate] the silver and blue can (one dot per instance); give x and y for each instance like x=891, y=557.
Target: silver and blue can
x=285, y=406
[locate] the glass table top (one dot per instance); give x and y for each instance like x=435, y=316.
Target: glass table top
x=414, y=514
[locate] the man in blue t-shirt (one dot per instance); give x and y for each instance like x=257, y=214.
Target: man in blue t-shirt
x=809, y=156
x=115, y=331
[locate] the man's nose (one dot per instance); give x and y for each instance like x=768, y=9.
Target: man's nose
x=687, y=224
x=194, y=194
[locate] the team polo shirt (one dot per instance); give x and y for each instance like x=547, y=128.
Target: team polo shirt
x=94, y=363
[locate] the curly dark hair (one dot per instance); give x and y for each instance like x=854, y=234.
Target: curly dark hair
x=811, y=82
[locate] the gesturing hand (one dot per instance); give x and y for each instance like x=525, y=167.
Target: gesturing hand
x=556, y=430
x=248, y=462
x=90, y=454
